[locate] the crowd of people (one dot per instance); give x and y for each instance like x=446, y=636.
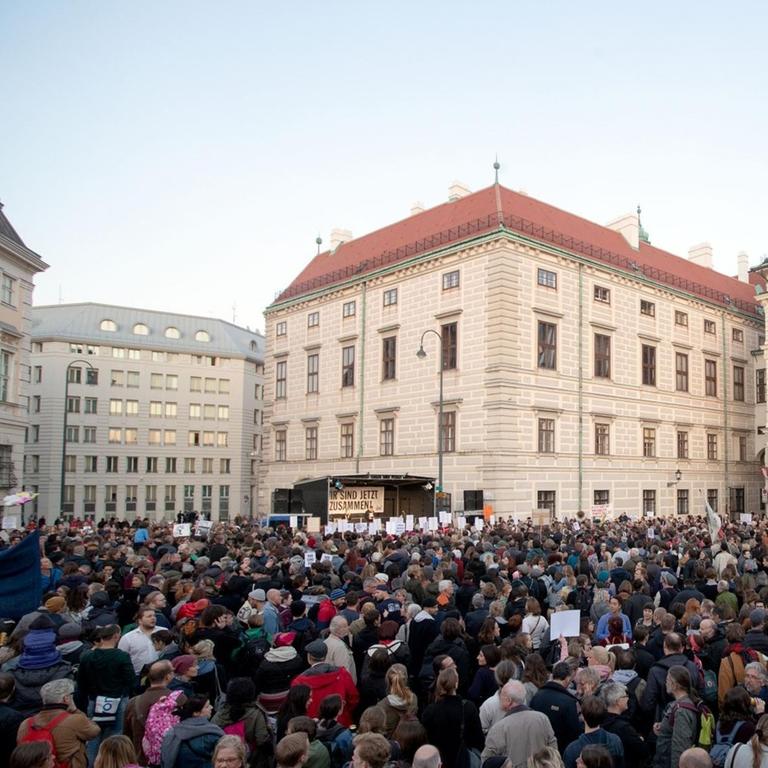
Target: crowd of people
x=255, y=647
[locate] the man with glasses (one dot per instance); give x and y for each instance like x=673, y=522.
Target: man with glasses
x=616, y=700
x=756, y=683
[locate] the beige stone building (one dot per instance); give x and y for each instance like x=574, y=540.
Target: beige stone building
x=163, y=413
x=583, y=367
x=18, y=267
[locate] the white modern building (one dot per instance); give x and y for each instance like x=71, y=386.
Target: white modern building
x=154, y=413
x=18, y=266
x=583, y=367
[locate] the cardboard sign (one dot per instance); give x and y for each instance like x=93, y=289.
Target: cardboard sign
x=565, y=623
x=541, y=517
x=310, y=558
x=361, y=500
x=203, y=527
x=312, y=524
x=182, y=529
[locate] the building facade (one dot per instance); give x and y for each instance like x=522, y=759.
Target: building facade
x=154, y=413
x=18, y=266
x=584, y=369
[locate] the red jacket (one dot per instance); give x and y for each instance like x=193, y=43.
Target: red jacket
x=325, y=680
x=325, y=612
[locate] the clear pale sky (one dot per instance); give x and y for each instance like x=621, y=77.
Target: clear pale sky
x=184, y=155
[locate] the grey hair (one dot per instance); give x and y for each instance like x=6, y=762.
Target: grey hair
x=478, y=601
x=515, y=691
x=55, y=691
x=230, y=742
x=444, y=584
x=588, y=675
x=336, y=623
x=412, y=610
x=756, y=666
x=611, y=693
x=505, y=671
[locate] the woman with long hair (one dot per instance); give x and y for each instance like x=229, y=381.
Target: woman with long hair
x=535, y=675
x=594, y=756
x=755, y=753
x=33, y=754
x=190, y=743
x=534, y=624
x=115, y=752
x=678, y=728
x=735, y=725
x=243, y=714
x=400, y=701
x=409, y=735
x=548, y=757
x=452, y=724
x=295, y=704
x=484, y=683
x=489, y=632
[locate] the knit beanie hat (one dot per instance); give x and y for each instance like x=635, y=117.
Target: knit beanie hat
x=39, y=650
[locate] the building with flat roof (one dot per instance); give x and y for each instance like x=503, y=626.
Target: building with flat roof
x=18, y=267
x=583, y=368
x=136, y=412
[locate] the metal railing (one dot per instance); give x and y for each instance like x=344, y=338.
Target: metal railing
x=530, y=229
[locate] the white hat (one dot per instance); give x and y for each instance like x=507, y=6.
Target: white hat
x=382, y=577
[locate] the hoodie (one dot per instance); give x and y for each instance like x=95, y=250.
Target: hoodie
x=200, y=731
x=277, y=669
x=395, y=709
x=326, y=680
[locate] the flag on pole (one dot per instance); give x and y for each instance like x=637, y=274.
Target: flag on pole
x=714, y=523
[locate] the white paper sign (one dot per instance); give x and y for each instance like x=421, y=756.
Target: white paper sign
x=409, y=522
x=182, y=529
x=373, y=527
x=423, y=523
x=565, y=623
x=204, y=527
x=445, y=517
x=576, y=526
x=462, y=521
x=361, y=527
x=293, y=521
x=310, y=558
x=650, y=533
x=330, y=529
x=390, y=527
x=399, y=527
x=745, y=517
x=10, y=522
x=432, y=524
x=326, y=558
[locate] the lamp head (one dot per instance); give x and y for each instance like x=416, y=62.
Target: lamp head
x=678, y=475
x=421, y=354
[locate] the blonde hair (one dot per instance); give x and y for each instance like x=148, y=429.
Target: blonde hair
x=115, y=752
x=230, y=742
x=548, y=757
x=397, y=683
x=203, y=649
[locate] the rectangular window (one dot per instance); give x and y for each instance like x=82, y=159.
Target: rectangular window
x=682, y=501
x=89, y=494
x=313, y=319
x=132, y=464
x=36, y=401
x=738, y=383
x=170, y=493
x=602, y=439
x=451, y=280
x=742, y=445
x=209, y=411
x=69, y=494
x=389, y=356
x=70, y=463
x=208, y=466
x=682, y=444
x=681, y=318
x=171, y=381
x=222, y=413
x=760, y=385
x=115, y=435
x=171, y=409
x=152, y=464
x=131, y=407
x=155, y=408
x=601, y=498
x=281, y=379
x=348, y=309
x=131, y=492
x=649, y=503
x=209, y=439
x=310, y=443
x=38, y=374
x=681, y=371
x=546, y=435
x=189, y=466
x=710, y=378
x=281, y=444
x=449, y=431
x=649, y=365
x=737, y=335
x=390, y=297
x=73, y=404
x=647, y=308
x=169, y=437
x=281, y=328
x=170, y=465
x=449, y=343
x=158, y=357
x=224, y=466
x=193, y=439
x=546, y=278
x=195, y=411
x=313, y=373
x=155, y=437
x=711, y=447
x=712, y=498
x=649, y=442
x=91, y=405
x=710, y=327
x=195, y=384
x=547, y=355
x=73, y=434
x=131, y=436
x=91, y=463
x=92, y=376
x=348, y=367
x=150, y=493
x=134, y=354
x=118, y=378
x=89, y=434
x=602, y=356
x=737, y=502
x=118, y=352
x=74, y=375
x=387, y=437
x=6, y=294
x=223, y=386
x=210, y=386
x=347, y=440
x=115, y=407
x=602, y=294
x=222, y=439
x=546, y=500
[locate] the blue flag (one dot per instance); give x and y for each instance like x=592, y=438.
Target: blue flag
x=20, y=578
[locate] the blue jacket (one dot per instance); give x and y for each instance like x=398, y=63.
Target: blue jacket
x=602, y=626
x=605, y=739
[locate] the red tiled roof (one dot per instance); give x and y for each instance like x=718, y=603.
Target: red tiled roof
x=479, y=212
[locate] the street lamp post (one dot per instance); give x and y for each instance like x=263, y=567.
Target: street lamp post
x=421, y=354
x=64, y=432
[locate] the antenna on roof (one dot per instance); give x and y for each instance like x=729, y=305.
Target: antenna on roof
x=496, y=167
x=319, y=242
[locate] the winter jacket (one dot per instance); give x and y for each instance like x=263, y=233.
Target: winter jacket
x=279, y=667
x=10, y=720
x=136, y=717
x=474, y=620
x=678, y=732
x=325, y=613
x=522, y=732
x=483, y=685
x=757, y=640
x=599, y=737
x=326, y=680
x=190, y=744
x=562, y=709
x=105, y=672
x=636, y=751
x=257, y=734
x=305, y=630
x=446, y=721
x=731, y=671
x=26, y=697
x=655, y=696
x=424, y=630
x=398, y=652
x=457, y=650
x=395, y=709
x=69, y=736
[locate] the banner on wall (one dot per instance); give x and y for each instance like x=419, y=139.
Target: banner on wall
x=368, y=500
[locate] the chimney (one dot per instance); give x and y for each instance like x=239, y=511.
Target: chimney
x=701, y=254
x=629, y=227
x=457, y=190
x=417, y=207
x=743, y=262
x=339, y=236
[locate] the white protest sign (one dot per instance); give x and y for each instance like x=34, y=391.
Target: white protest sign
x=310, y=558
x=576, y=527
x=745, y=517
x=293, y=521
x=373, y=527
x=445, y=517
x=423, y=523
x=565, y=623
x=409, y=522
x=204, y=527
x=461, y=521
x=330, y=529
x=650, y=533
x=361, y=500
x=326, y=558
x=390, y=527
x=399, y=527
x=10, y=522
x=361, y=527
x=432, y=524
x=181, y=529
x=312, y=524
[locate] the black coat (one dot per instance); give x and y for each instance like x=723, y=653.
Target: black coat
x=636, y=751
x=276, y=676
x=421, y=634
x=10, y=720
x=562, y=709
x=446, y=721
x=474, y=620
x=457, y=650
x=757, y=640
x=655, y=697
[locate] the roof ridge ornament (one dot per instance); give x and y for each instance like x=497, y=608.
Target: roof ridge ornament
x=643, y=235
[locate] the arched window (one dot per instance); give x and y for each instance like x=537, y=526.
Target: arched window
x=140, y=329
x=108, y=325
x=202, y=336
x=172, y=333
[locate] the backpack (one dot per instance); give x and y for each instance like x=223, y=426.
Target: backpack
x=720, y=750
x=330, y=740
x=581, y=600
x=252, y=653
x=705, y=722
x=160, y=719
x=709, y=690
x=38, y=732
x=238, y=729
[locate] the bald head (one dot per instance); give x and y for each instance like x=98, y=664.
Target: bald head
x=427, y=757
x=273, y=596
x=695, y=757
x=512, y=694
x=339, y=626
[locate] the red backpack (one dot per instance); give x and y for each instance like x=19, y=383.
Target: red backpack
x=42, y=732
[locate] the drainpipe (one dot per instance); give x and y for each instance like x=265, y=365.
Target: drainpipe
x=726, y=440
x=360, y=419
x=581, y=386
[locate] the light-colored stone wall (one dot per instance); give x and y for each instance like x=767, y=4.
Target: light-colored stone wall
x=499, y=393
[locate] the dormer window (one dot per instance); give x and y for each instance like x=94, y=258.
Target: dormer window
x=140, y=330
x=108, y=325
x=172, y=333
x=202, y=336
